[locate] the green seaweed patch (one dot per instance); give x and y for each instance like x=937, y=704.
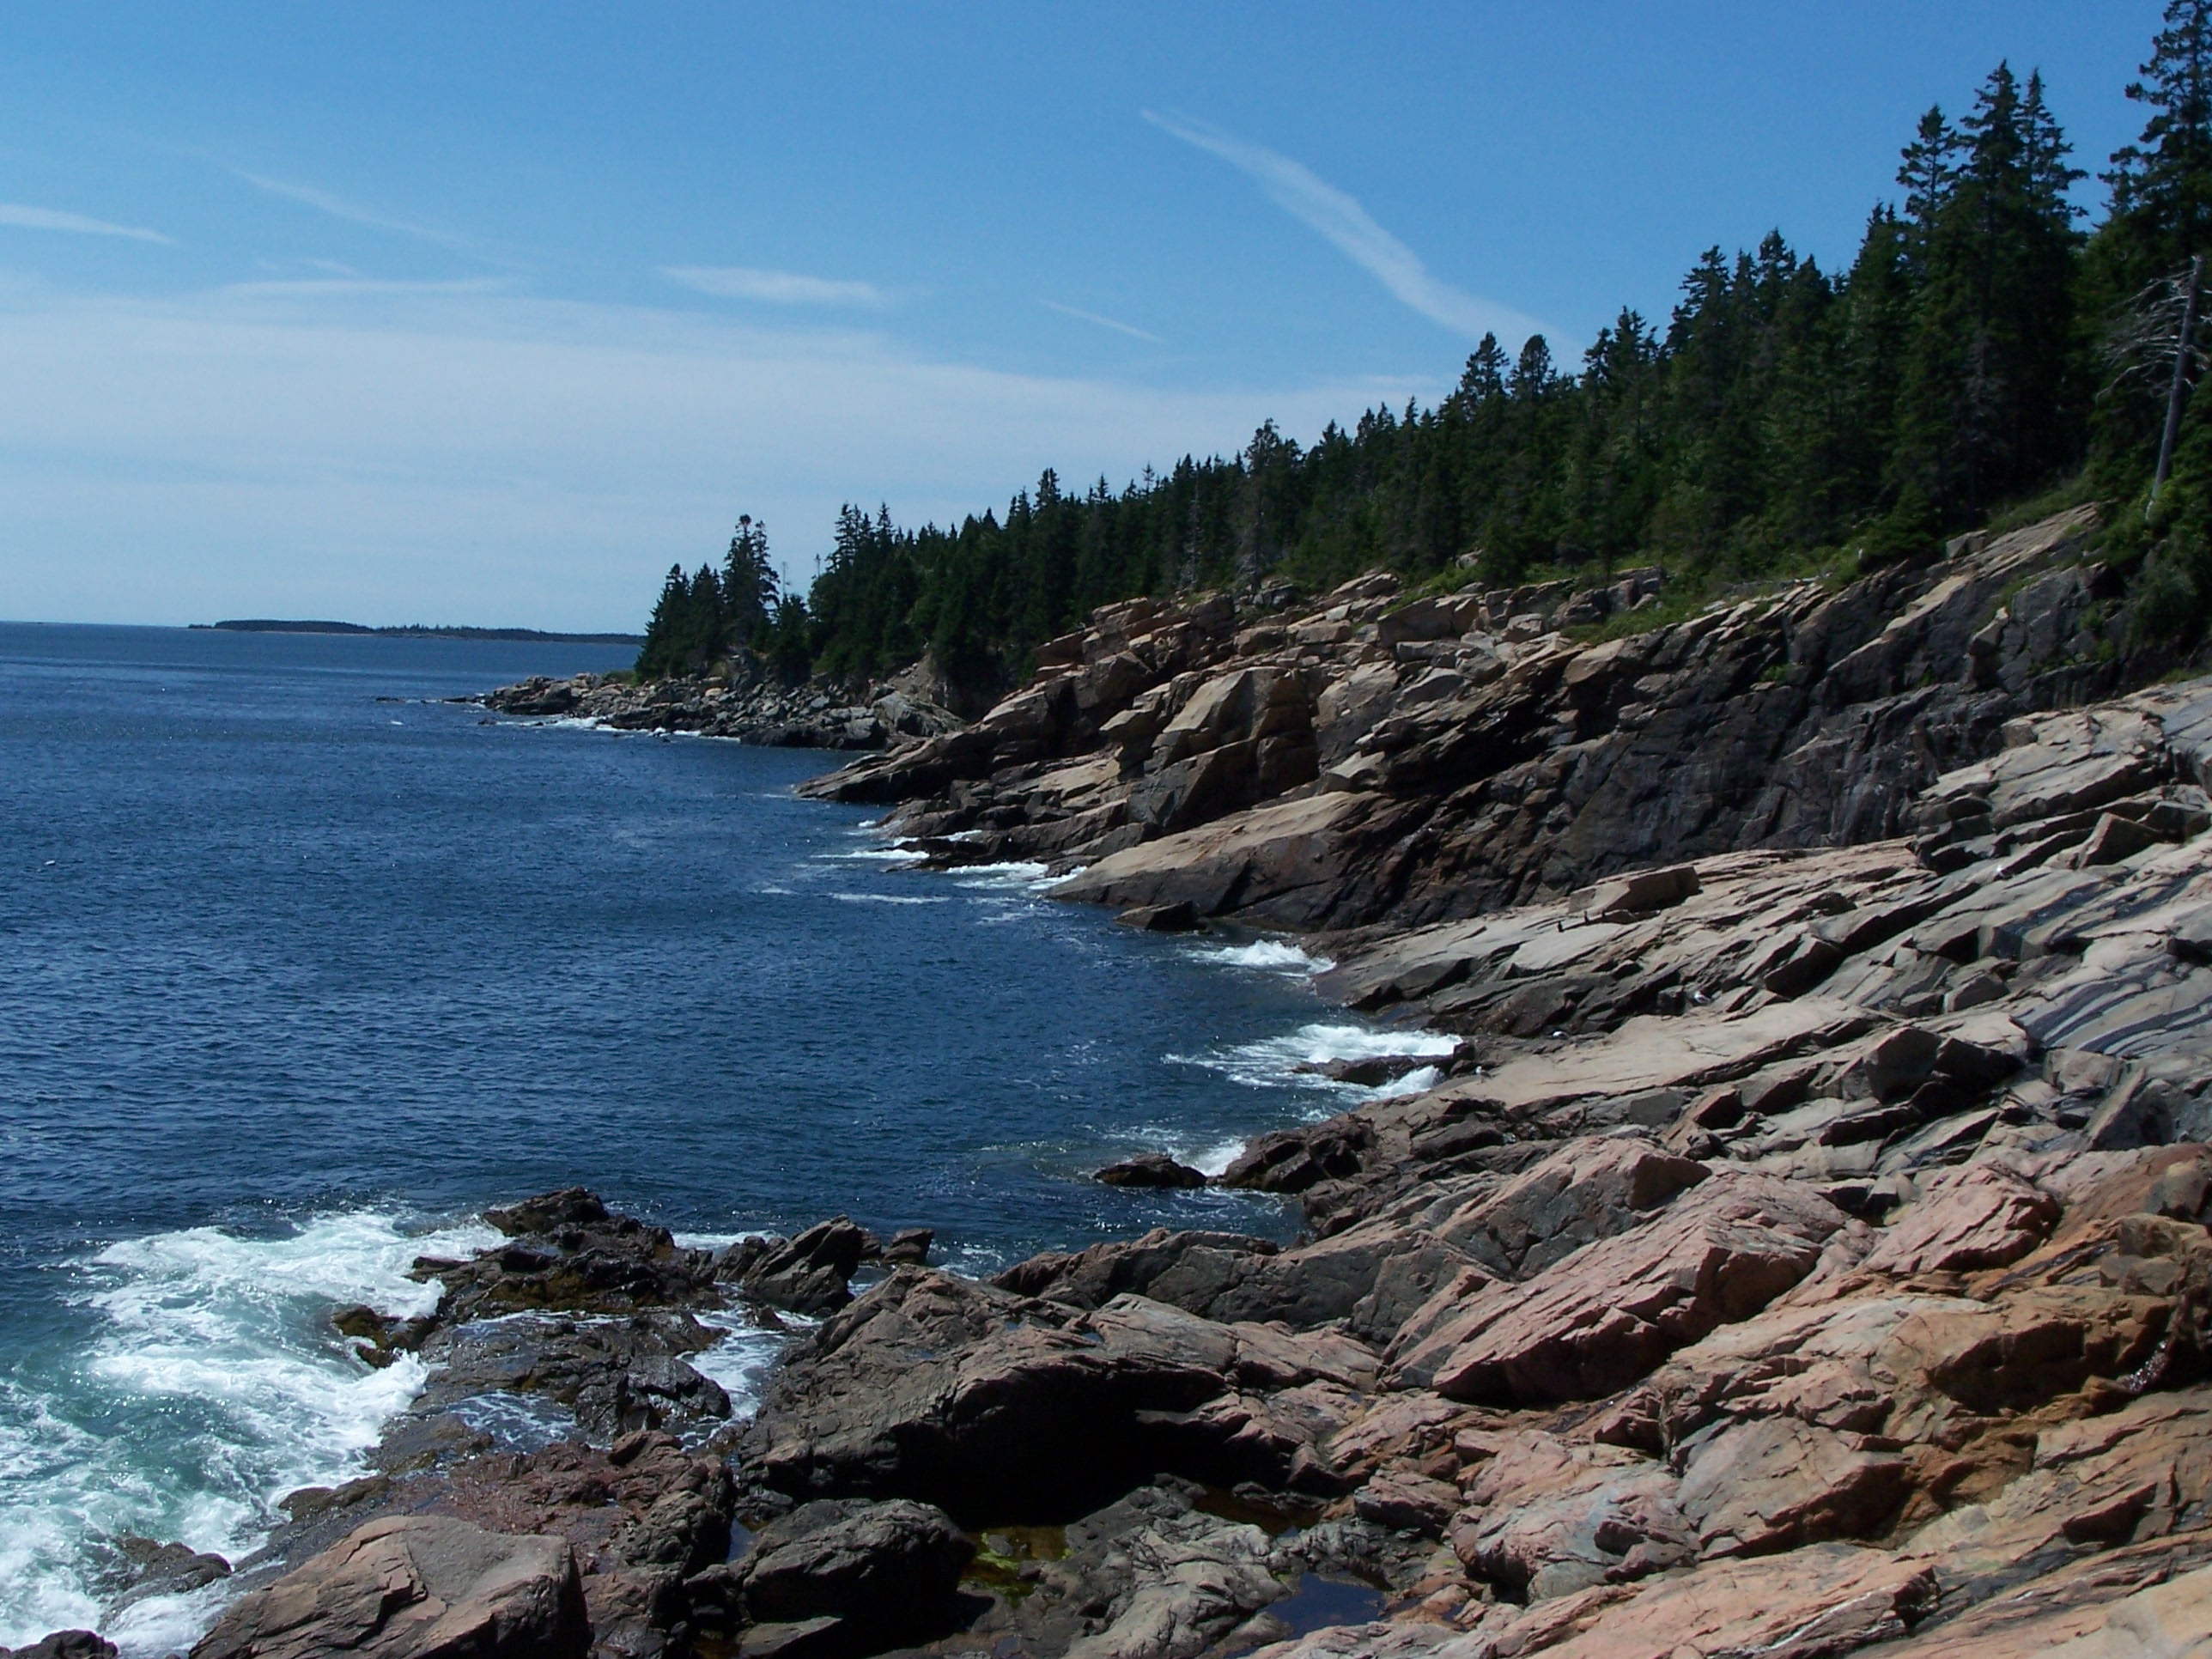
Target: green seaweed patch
x=1005, y=1557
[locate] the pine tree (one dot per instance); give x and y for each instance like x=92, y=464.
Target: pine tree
x=1981, y=414
x=2161, y=184
x=751, y=586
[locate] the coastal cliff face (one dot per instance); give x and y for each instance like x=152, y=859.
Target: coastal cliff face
x=1374, y=761
x=1806, y=1251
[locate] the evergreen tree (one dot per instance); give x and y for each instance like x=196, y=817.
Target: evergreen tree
x=1781, y=410
x=2161, y=184
x=1980, y=411
x=751, y=586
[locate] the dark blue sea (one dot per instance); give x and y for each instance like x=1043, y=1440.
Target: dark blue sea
x=302, y=966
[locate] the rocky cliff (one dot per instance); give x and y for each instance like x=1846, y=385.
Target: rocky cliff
x=1807, y=1251
x=1374, y=760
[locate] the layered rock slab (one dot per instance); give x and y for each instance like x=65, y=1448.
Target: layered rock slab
x=415, y=1587
x=1601, y=1318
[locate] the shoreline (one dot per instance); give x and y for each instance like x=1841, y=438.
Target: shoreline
x=1806, y=1247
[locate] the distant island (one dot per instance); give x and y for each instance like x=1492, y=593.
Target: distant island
x=269, y=625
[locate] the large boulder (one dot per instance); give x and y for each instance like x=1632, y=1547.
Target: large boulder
x=992, y=1405
x=1818, y=1602
x=1599, y=1319
x=886, y=1573
x=415, y=1587
x=1546, y=1518
x=807, y=1275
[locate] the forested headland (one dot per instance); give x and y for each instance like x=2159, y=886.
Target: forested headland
x=1992, y=351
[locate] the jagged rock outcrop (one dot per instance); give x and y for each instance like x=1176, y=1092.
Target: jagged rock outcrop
x=1354, y=766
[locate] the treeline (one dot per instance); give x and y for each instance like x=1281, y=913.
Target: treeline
x=1785, y=416
x=701, y=618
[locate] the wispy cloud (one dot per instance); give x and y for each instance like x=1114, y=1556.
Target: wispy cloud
x=1129, y=329
x=38, y=218
x=775, y=287
x=337, y=207
x=493, y=454
x=1338, y=217
x=322, y=285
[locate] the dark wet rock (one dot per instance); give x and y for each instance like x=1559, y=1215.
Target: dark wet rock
x=146, y=1567
x=941, y=1390
x=1181, y=917
x=1371, y=1072
x=1292, y=1161
x=614, y=1375
x=1151, y=1169
x=568, y=1252
x=749, y=704
x=1187, y=1269
x=909, y=1247
x=64, y=1645
x=807, y=1275
x=886, y=1572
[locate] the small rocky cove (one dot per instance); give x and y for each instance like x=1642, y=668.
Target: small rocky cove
x=1805, y=1250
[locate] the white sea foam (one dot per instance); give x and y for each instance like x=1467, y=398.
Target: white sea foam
x=900, y=855
x=716, y=1240
x=741, y=1360
x=1020, y=876
x=1273, y=1063
x=210, y=1385
x=1268, y=955
x=891, y=898
x=1419, y=1080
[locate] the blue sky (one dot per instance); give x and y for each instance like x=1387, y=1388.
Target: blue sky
x=486, y=313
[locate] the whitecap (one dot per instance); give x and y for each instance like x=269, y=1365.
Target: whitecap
x=1273, y=1063
x=741, y=1360
x=210, y=1386
x=1020, y=876
x=1419, y=1080
x=1267, y=955
x=890, y=898
x=1215, y=1160
x=716, y=1240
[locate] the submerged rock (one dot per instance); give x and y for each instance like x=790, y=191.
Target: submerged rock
x=1150, y=1169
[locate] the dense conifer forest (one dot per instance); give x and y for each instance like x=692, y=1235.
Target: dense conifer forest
x=1989, y=351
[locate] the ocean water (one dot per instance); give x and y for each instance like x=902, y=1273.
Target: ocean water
x=302, y=967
